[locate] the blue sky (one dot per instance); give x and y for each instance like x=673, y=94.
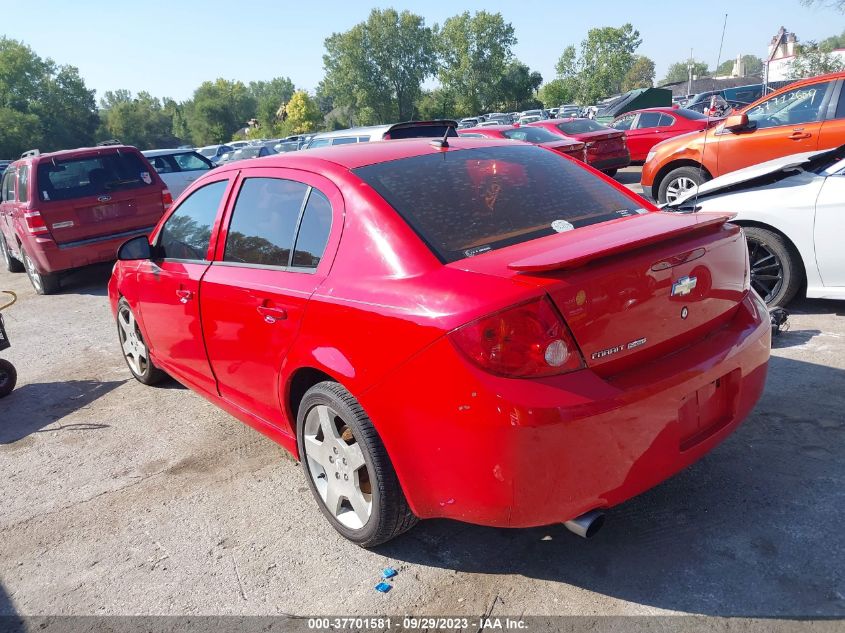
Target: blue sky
x=169, y=47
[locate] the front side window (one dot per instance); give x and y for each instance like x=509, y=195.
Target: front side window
x=472, y=201
x=793, y=107
x=623, y=123
x=187, y=232
x=264, y=222
x=161, y=164
x=319, y=142
x=344, y=140
x=9, y=186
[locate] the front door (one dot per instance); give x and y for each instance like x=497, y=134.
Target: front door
x=168, y=288
x=829, y=229
x=269, y=261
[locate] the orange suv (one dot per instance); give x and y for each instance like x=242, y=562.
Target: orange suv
x=804, y=116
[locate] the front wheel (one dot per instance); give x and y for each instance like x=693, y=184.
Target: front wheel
x=610, y=172
x=135, y=351
x=776, y=270
x=348, y=468
x=8, y=377
x=679, y=182
x=44, y=283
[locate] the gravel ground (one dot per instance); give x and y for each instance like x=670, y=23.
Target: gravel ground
x=125, y=499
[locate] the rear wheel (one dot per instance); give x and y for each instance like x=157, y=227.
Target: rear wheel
x=776, y=270
x=679, y=182
x=135, y=351
x=8, y=377
x=348, y=468
x=11, y=264
x=44, y=283
x=610, y=172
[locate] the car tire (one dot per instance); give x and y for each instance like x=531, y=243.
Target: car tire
x=346, y=465
x=8, y=377
x=11, y=264
x=679, y=181
x=610, y=173
x=135, y=350
x=44, y=283
x=777, y=273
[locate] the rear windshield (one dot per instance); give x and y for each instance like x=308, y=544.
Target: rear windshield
x=463, y=203
x=580, y=126
x=421, y=131
x=532, y=135
x=92, y=176
x=208, y=152
x=689, y=114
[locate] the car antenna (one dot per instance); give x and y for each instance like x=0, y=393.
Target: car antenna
x=442, y=142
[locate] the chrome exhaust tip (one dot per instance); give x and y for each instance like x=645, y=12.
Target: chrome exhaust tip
x=587, y=524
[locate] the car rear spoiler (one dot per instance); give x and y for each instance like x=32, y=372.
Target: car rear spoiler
x=598, y=241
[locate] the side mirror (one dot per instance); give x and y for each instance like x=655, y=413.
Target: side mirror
x=135, y=249
x=736, y=122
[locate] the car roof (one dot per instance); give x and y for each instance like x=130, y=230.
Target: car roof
x=494, y=128
x=65, y=154
x=354, y=155
x=152, y=153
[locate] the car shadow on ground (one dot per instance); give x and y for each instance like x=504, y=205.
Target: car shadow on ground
x=31, y=408
x=91, y=280
x=754, y=528
x=816, y=306
x=628, y=177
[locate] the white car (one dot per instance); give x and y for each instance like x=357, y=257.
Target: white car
x=178, y=168
x=793, y=212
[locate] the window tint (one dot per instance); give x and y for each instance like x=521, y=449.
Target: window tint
x=187, y=232
x=264, y=221
x=648, y=120
x=666, y=120
x=532, y=135
x=580, y=126
x=92, y=176
x=23, y=181
x=623, y=123
x=690, y=114
x=343, y=140
x=801, y=105
x=161, y=164
x=9, y=186
x=313, y=231
x=319, y=142
x=468, y=202
x=840, y=108
x=208, y=152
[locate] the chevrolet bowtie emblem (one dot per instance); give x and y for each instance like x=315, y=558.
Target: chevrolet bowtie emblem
x=683, y=286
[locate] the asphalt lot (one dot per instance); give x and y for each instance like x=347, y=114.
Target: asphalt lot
x=125, y=499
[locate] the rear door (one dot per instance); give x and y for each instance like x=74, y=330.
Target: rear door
x=829, y=229
x=783, y=124
x=168, y=285
x=105, y=193
x=271, y=257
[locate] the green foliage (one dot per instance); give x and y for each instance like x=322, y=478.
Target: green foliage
x=269, y=97
x=753, y=66
x=302, y=114
x=813, y=59
x=142, y=121
x=556, y=93
x=839, y=5
x=834, y=41
x=218, y=110
x=378, y=66
x=517, y=88
x=41, y=104
x=475, y=51
x=679, y=71
x=639, y=75
x=602, y=65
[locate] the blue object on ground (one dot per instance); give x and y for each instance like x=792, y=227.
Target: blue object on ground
x=383, y=587
x=389, y=572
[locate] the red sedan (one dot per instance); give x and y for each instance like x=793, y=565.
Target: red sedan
x=476, y=330
x=533, y=135
x=606, y=148
x=646, y=128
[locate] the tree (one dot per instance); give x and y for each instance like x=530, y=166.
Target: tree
x=436, y=104
x=679, y=71
x=141, y=121
x=269, y=97
x=517, y=88
x=639, y=75
x=377, y=67
x=218, y=110
x=813, y=59
x=42, y=104
x=556, y=93
x=834, y=41
x=753, y=66
x=302, y=113
x=839, y=5
x=475, y=51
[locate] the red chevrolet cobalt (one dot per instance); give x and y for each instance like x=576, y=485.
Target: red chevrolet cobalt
x=471, y=329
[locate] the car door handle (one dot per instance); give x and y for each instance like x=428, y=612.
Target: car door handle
x=797, y=135
x=184, y=295
x=271, y=315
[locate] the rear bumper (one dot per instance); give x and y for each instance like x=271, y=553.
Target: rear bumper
x=50, y=257
x=619, y=161
x=519, y=453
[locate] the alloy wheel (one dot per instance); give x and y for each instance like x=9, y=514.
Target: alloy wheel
x=678, y=187
x=337, y=467
x=133, y=345
x=766, y=270
x=32, y=273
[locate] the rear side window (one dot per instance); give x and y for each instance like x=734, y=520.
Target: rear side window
x=463, y=203
x=187, y=232
x=580, y=126
x=264, y=222
x=666, y=120
x=92, y=176
x=313, y=231
x=23, y=183
x=648, y=120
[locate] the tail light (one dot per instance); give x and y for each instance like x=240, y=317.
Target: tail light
x=35, y=223
x=524, y=341
x=166, y=198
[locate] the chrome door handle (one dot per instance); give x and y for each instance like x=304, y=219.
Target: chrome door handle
x=271, y=315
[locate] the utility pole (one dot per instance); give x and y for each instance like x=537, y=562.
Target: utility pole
x=689, y=69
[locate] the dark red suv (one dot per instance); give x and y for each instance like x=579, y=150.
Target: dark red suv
x=72, y=208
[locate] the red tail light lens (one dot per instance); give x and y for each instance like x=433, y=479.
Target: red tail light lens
x=35, y=223
x=525, y=341
x=166, y=199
